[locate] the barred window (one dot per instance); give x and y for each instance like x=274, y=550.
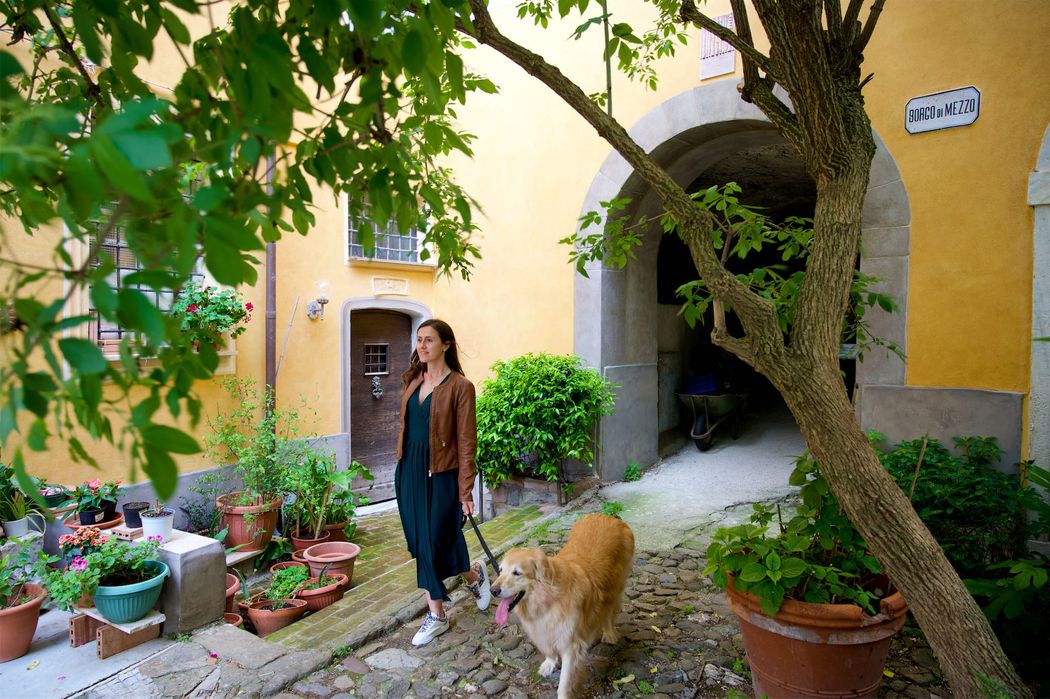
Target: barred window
x=113, y=246
x=390, y=242
x=376, y=359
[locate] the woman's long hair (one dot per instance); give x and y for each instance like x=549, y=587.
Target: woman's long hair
x=444, y=331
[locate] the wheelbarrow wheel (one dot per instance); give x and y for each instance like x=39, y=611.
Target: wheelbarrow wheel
x=699, y=427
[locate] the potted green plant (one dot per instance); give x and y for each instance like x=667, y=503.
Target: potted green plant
x=537, y=412
x=54, y=495
x=323, y=590
x=261, y=443
x=96, y=501
x=319, y=496
x=15, y=512
x=279, y=608
x=157, y=522
x=124, y=578
x=206, y=313
x=20, y=601
x=815, y=610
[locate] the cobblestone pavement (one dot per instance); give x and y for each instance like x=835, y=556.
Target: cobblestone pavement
x=678, y=639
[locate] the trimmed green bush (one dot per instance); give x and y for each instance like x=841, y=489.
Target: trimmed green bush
x=537, y=412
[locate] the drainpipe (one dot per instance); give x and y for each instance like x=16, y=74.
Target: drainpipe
x=271, y=307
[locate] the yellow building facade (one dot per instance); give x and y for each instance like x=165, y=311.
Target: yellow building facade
x=957, y=226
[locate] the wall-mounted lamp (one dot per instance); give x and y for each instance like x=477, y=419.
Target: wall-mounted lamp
x=315, y=307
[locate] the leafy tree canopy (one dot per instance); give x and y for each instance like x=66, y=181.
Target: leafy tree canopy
x=270, y=97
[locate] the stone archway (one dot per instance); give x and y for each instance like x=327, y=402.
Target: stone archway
x=1039, y=381
x=614, y=328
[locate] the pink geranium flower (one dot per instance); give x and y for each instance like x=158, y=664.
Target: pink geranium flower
x=78, y=564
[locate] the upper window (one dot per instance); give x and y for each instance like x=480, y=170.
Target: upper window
x=391, y=244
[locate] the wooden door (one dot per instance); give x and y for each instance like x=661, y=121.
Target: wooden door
x=380, y=346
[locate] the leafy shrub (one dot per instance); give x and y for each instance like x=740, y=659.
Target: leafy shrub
x=817, y=556
x=612, y=508
x=974, y=511
x=633, y=472
x=537, y=412
x=980, y=518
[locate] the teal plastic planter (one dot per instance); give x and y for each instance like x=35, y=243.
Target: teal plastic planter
x=123, y=604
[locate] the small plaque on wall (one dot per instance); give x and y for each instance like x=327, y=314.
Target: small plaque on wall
x=389, y=286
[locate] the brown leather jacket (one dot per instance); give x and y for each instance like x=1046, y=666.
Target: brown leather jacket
x=453, y=429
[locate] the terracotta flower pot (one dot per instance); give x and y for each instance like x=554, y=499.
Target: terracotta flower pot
x=816, y=650
x=285, y=564
x=18, y=624
x=266, y=620
x=297, y=557
x=302, y=543
x=233, y=584
x=319, y=598
x=242, y=605
x=336, y=531
x=253, y=531
x=336, y=556
x=233, y=619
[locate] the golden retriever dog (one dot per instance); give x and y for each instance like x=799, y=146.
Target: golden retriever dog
x=567, y=602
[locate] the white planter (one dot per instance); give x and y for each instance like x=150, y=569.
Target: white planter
x=16, y=528
x=158, y=526
x=20, y=527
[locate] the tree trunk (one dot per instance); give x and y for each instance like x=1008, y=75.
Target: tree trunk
x=953, y=623
x=832, y=133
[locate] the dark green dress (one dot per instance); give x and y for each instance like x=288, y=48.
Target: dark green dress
x=429, y=506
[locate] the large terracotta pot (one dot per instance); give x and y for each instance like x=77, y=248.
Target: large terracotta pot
x=319, y=598
x=333, y=557
x=233, y=584
x=250, y=525
x=18, y=624
x=302, y=543
x=816, y=650
x=336, y=531
x=266, y=620
x=286, y=564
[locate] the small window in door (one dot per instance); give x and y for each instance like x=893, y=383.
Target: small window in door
x=376, y=359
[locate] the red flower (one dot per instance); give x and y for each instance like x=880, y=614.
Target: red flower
x=249, y=307
x=191, y=308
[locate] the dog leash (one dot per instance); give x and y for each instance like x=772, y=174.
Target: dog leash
x=485, y=546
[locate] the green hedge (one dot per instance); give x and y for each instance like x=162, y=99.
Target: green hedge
x=537, y=412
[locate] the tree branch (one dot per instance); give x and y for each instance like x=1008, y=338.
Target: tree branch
x=869, y=27
x=93, y=92
x=757, y=314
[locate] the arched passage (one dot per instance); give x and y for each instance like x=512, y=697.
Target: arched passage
x=616, y=324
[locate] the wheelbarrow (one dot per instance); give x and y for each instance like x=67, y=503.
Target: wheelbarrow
x=711, y=412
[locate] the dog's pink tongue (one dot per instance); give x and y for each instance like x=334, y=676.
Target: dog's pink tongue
x=503, y=611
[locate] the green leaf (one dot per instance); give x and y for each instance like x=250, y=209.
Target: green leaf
x=753, y=572
x=83, y=355
x=414, y=53
x=793, y=567
x=162, y=471
x=9, y=65
x=170, y=439
x=136, y=311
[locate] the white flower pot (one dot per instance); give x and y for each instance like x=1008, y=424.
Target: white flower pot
x=161, y=526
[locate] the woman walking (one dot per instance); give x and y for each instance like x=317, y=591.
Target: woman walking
x=436, y=448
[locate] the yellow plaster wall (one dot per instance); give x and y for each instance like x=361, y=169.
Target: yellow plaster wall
x=969, y=300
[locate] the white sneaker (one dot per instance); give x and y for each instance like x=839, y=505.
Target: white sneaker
x=432, y=626
x=480, y=589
